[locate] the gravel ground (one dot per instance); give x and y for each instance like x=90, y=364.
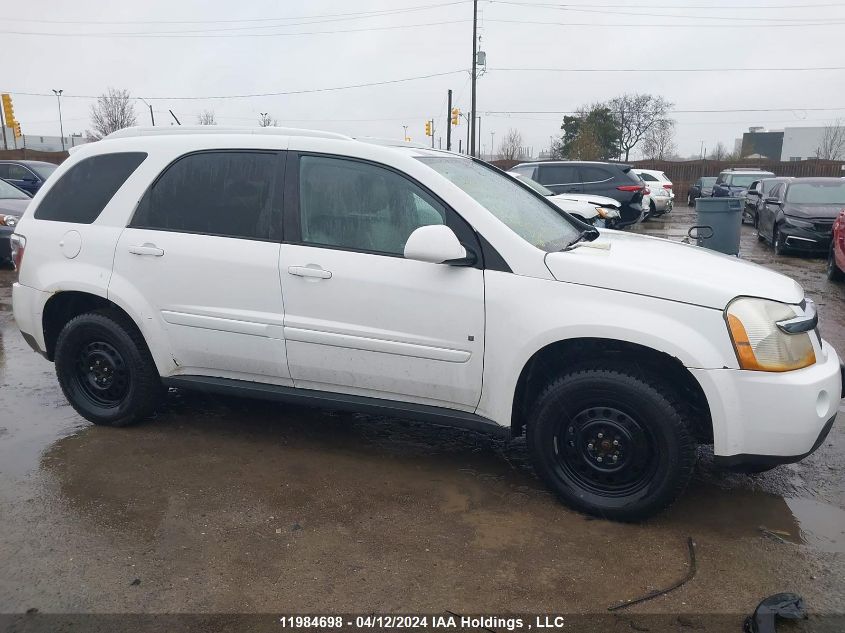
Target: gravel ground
x=231, y=506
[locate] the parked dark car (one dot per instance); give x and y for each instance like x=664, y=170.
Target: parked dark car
x=734, y=182
x=799, y=214
x=28, y=175
x=13, y=203
x=756, y=196
x=614, y=180
x=702, y=188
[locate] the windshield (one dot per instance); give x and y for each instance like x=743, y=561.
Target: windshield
x=832, y=192
x=43, y=169
x=528, y=215
x=743, y=180
x=10, y=192
x=536, y=186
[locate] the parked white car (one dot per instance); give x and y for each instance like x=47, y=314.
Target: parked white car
x=596, y=210
x=313, y=268
x=662, y=194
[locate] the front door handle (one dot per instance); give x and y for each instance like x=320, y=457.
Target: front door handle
x=146, y=249
x=310, y=271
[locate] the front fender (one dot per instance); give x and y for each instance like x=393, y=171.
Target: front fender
x=517, y=329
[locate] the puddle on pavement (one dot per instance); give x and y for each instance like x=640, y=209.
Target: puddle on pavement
x=748, y=513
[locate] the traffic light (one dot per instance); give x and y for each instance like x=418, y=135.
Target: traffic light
x=428, y=131
x=456, y=116
x=9, y=114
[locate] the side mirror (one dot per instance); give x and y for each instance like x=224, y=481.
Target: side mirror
x=773, y=201
x=437, y=244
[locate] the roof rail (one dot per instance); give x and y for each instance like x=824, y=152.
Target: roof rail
x=172, y=130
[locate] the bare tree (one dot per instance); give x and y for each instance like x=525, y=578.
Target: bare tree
x=659, y=141
x=113, y=111
x=265, y=120
x=207, y=118
x=636, y=115
x=720, y=152
x=832, y=144
x=511, y=147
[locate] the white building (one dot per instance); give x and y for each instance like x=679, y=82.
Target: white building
x=40, y=143
x=801, y=143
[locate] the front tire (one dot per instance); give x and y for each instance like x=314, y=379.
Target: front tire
x=778, y=242
x=834, y=273
x=105, y=369
x=612, y=442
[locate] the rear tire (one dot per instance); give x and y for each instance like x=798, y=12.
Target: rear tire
x=105, y=369
x=614, y=443
x=834, y=273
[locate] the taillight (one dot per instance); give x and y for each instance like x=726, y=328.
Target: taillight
x=18, y=247
x=630, y=187
x=646, y=191
x=667, y=186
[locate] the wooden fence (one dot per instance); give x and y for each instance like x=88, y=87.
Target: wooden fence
x=684, y=173
x=32, y=154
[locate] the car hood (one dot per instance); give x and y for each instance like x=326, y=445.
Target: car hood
x=10, y=206
x=662, y=268
x=813, y=210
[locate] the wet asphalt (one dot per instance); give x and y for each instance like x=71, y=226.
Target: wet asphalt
x=227, y=506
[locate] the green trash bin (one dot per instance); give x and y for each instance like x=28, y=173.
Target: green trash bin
x=718, y=223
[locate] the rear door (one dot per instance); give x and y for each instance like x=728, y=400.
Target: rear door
x=599, y=180
x=560, y=177
x=201, y=256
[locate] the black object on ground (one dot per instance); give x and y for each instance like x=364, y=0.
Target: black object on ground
x=663, y=592
x=788, y=606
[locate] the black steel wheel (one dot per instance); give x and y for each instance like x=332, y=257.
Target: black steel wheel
x=612, y=442
x=105, y=369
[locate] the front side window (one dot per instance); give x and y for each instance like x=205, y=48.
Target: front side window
x=44, y=170
x=359, y=206
x=19, y=172
x=530, y=216
x=226, y=193
x=85, y=189
x=10, y=192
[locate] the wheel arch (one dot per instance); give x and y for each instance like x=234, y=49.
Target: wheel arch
x=556, y=357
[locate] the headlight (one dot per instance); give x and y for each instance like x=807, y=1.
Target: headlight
x=602, y=212
x=801, y=224
x=760, y=343
x=8, y=220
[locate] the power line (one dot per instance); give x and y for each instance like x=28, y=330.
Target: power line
x=665, y=25
x=140, y=35
x=352, y=15
x=576, y=9
x=663, y=70
x=489, y=112
x=263, y=94
x=665, y=6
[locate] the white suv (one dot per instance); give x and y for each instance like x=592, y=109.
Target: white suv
x=314, y=268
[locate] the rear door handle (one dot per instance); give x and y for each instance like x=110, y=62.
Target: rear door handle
x=146, y=249
x=310, y=271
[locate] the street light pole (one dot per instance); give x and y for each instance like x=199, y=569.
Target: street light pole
x=58, y=94
x=492, y=134
x=473, y=71
x=405, y=127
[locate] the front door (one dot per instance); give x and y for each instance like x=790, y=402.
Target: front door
x=361, y=319
x=201, y=253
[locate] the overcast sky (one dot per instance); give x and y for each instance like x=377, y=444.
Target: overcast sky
x=255, y=46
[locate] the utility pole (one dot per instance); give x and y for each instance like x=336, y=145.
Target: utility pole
x=449, y=121
x=460, y=149
x=492, y=134
x=3, y=125
x=58, y=94
x=474, y=44
x=432, y=133
x=479, y=135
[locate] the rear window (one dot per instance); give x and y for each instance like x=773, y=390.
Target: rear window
x=85, y=189
x=591, y=173
x=648, y=177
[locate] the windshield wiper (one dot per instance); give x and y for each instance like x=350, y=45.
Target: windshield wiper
x=587, y=235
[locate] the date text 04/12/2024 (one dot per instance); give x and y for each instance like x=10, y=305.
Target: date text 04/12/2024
x=421, y=621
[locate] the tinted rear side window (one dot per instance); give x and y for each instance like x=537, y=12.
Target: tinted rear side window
x=230, y=194
x=591, y=173
x=86, y=188
x=558, y=174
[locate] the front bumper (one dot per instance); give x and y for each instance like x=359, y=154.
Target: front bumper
x=781, y=417
x=806, y=239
